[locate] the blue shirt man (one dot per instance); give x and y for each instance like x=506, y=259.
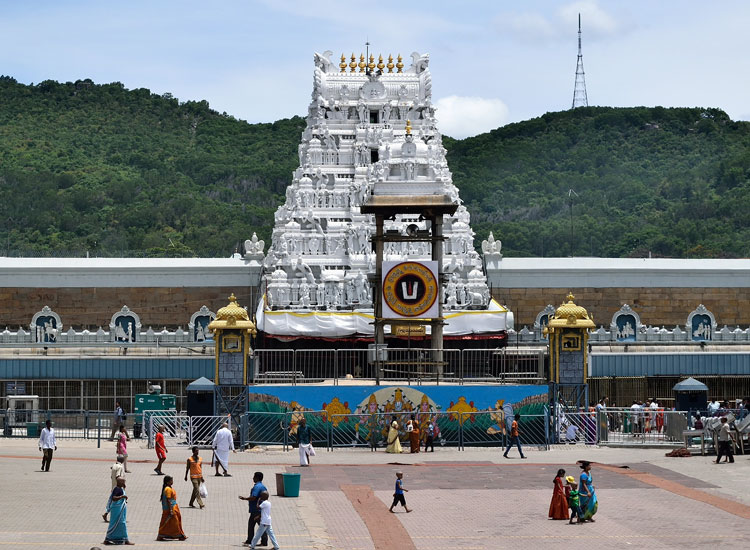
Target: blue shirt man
x=254, y=518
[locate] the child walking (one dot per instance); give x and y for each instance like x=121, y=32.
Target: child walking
x=265, y=522
x=398, y=496
x=574, y=500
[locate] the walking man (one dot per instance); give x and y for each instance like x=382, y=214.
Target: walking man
x=47, y=444
x=515, y=437
x=254, y=518
x=725, y=442
x=223, y=443
x=116, y=420
x=265, y=522
x=161, y=449
x=304, y=440
x=195, y=469
x=118, y=470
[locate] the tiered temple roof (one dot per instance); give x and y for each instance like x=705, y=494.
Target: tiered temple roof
x=367, y=122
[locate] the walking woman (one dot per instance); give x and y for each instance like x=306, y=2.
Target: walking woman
x=412, y=428
x=122, y=446
x=170, y=527
x=589, y=502
x=394, y=445
x=558, y=508
x=117, y=532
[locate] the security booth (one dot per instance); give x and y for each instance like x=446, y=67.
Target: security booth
x=200, y=397
x=690, y=395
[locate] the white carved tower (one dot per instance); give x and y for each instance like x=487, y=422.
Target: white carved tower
x=368, y=121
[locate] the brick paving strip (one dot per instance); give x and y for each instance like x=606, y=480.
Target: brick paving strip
x=730, y=506
x=385, y=529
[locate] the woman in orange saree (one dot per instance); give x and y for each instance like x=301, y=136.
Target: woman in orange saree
x=412, y=427
x=170, y=527
x=558, y=508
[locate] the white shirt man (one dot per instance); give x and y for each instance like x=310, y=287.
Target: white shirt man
x=635, y=417
x=47, y=444
x=223, y=443
x=713, y=407
x=653, y=408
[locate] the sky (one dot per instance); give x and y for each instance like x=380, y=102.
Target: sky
x=492, y=62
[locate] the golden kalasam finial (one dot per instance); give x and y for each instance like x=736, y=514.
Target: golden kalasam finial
x=353, y=64
x=232, y=298
x=400, y=64
x=390, y=63
x=381, y=65
x=362, y=63
x=571, y=297
x=343, y=63
x=408, y=127
x=371, y=64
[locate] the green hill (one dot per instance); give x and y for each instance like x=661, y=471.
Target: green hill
x=99, y=168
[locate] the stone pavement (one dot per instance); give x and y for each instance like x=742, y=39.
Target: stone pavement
x=473, y=499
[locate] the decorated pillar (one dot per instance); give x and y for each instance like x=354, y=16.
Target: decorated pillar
x=568, y=332
x=232, y=329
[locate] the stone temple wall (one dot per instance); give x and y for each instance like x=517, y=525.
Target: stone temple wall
x=92, y=308
x=172, y=306
x=656, y=306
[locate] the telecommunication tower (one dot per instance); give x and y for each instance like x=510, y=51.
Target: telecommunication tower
x=579, y=91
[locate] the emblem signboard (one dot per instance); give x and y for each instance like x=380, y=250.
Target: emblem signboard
x=410, y=290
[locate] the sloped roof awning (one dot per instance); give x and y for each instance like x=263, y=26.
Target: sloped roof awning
x=202, y=384
x=691, y=384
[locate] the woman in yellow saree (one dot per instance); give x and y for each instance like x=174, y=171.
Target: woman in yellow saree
x=394, y=445
x=170, y=527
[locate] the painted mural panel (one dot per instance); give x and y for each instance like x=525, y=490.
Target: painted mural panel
x=362, y=414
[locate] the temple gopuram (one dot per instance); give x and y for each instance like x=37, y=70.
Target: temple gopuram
x=368, y=122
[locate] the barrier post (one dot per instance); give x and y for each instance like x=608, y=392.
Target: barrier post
x=243, y=430
x=460, y=431
x=99, y=431
x=546, y=429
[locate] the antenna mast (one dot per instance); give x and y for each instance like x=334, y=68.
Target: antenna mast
x=580, y=99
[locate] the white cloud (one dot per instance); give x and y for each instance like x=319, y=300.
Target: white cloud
x=562, y=24
x=598, y=22
x=461, y=117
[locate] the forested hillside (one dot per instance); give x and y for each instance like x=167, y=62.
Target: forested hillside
x=670, y=182
x=99, y=168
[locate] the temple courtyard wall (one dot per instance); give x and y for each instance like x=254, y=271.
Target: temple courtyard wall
x=85, y=292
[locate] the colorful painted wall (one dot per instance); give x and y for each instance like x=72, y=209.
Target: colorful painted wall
x=363, y=413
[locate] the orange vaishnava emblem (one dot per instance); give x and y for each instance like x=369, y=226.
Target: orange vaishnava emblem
x=410, y=289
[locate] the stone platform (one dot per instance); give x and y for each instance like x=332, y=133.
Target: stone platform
x=471, y=499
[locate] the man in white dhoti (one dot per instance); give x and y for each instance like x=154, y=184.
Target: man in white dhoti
x=223, y=443
x=304, y=439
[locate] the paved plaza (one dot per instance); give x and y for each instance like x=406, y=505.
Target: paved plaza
x=473, y=499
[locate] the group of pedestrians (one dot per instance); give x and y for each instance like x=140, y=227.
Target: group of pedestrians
x=415, y=434
x=170, y=525
x=579, y=498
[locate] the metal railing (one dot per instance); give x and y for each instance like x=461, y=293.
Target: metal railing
x=175, y=424
x=410, y=365
x=67, y=424
x=619, y=426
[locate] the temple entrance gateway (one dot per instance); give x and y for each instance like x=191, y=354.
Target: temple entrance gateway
x=372, y=130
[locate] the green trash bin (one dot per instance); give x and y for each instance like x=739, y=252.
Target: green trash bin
x=32, y=429
x=291, y=484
